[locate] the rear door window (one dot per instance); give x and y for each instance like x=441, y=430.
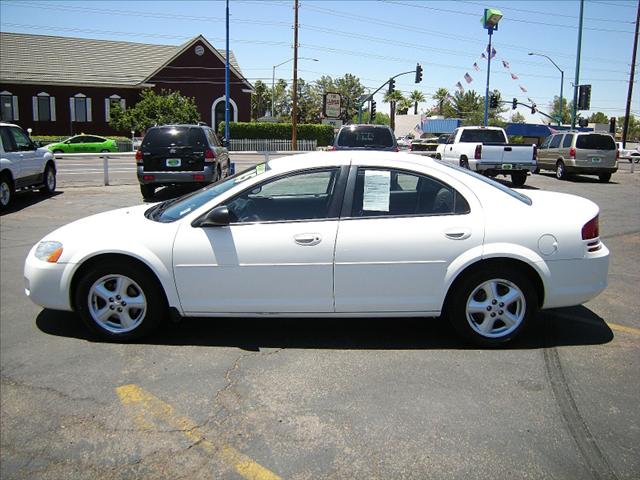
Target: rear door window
x=595, y=142
x=555, y=141
x=566, y=143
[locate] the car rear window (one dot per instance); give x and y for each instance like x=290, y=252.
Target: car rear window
x=482, y=136
x=596, y=142
x=174, y=137
x=365, y=138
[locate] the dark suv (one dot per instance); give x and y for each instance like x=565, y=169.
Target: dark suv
x=365, y=137
x=179, y=154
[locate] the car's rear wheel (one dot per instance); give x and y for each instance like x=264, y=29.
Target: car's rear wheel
x=561, y=170
x=148, y=191
x=49, y=181
x=491, y=306
x=464, y=163
x=57, y=150
x=6, y=191
x=604, y=177
x=118, y=301
x=438, y=157
x=104, y=150
x=518, y=179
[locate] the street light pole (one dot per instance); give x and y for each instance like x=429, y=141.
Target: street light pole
x=561, y=84
x=273, y=81
x=489, y=21
x=486, y=93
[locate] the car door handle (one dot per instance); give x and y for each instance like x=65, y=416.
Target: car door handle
x=307, y=239
x=457, y=233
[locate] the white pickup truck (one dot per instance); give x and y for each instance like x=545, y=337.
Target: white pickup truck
x=488, y=151
x=23, y=165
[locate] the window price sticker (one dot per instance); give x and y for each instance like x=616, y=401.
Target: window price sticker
x=377, y=190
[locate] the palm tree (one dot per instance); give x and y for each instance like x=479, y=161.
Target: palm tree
x=392, y=98
x=404, y=105
x=416, y=97
x=441, y=96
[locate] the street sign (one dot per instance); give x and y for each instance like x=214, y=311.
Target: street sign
x=335, y=122
x=332, y=105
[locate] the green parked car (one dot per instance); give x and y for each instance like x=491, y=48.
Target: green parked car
x=84, y=144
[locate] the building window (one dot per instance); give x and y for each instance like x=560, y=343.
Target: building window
x=8, y=107
x=110, y=102
x=80, y=107
x=44, y=108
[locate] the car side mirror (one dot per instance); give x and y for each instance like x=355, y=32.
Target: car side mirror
x=218, y=217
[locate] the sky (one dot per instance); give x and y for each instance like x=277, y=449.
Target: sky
x=375, y=40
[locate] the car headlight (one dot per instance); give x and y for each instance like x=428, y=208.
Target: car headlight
x=49, y=251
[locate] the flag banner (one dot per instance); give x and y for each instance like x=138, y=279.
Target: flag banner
x=423, y=118
x=493, y=52
x=476, y=67
x=468, y=78
x=418, y=129
x=514, y=76
x=505, y=64
x=460, y=87
x=522, y=87
x=483, y=56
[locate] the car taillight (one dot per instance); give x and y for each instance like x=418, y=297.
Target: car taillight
x=410, y=147
x=535, y=152
x=198, y=177
x=209, y=156
x=591, y=229
x=138, y=155
x=572, y=152
x=396, y=149
x=478, y=153
x=331, y=149
x=617, y=155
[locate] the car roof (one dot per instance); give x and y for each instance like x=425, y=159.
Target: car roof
x=4, y=124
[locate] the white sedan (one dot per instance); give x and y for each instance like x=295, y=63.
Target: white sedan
x=341, y=234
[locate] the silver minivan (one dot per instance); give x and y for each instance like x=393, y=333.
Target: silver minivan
x=586, y=153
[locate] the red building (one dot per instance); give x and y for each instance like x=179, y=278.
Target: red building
x=62, y=86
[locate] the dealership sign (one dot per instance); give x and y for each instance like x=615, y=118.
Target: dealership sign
x=332, y=105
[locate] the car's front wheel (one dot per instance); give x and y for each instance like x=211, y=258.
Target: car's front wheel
x=118, y=301
x=491, y=306
x=6, y=191
x=49, y=181
x=561, y=170
x=57, y=150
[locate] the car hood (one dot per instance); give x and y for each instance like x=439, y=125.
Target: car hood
x=122, y=230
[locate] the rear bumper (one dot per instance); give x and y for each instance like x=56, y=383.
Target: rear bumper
x=499, y=168
x=170, y=178
x=590, y=170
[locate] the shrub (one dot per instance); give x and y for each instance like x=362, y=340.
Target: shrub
x=323, y=134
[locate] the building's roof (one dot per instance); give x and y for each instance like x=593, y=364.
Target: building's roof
x=51, y=60
x=440, y=125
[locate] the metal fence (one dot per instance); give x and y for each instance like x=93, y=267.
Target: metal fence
x=269, y=145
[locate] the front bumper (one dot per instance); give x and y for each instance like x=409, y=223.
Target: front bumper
x=45, y=283
x=176, y=177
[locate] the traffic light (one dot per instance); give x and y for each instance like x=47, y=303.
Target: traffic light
x=493, y=101
x=418, y=73
x=534, y=108
x=372, y=113
x=514, y=105
x=612, y=125
x=392, y=85
x=584, y=97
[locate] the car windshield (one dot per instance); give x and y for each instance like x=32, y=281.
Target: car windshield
x=365, y=138
x=512, y=193
x=175, y=209
x=595, y=142
x=482, y=136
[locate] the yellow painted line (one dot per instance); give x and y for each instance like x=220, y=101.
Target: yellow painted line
x=622, y=328
x=150, y=406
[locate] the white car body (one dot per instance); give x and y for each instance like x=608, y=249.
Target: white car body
x=345, y=266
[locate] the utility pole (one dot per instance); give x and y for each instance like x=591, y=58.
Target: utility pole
x=625, y=128
x=294, y=113
x=576, y=83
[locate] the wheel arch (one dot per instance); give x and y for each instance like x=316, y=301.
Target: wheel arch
x=51, y=163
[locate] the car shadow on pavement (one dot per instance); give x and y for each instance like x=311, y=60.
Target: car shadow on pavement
x=576, y=178
x=172, y=191
x=560, y=327
x=23, y=200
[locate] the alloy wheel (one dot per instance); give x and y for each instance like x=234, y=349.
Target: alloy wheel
x=117, y=303
x=496, y=308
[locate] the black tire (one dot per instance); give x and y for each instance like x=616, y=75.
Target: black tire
x=7, y=190
x=438, y=157
x=105, y=151
x=49, y=179
x=473, y=287
x=561, y=170
x=464, y=163
x=535, y=170
x=604, y=177
x=147, y=190
x=57, y=150
x=518, y=179
x=143, y=287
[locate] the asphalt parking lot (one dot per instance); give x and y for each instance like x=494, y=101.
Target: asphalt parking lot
x=316, y=398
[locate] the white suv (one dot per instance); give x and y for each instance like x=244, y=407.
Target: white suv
x=23, y=165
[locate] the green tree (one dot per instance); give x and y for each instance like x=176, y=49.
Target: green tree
x=381, y=118
x=260, y=100
x=404, y=105
x=468, y=106
x=416, y=97
x=566, y=109
x=633, y=133
x=598, y=117
x=392, y=98
x=155, y=109
x=442, y=100
x=517, y=118
x=309, y=103
x=282, y=107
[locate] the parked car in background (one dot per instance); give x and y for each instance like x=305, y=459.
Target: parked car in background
x=425, y=146
x=341, y=234
x=627, y=154
x=23, y=165
x=404, y=143
x=180, y=154
x=84, y=144
x=487, y=150
x=585, y=153
x=365, y=137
